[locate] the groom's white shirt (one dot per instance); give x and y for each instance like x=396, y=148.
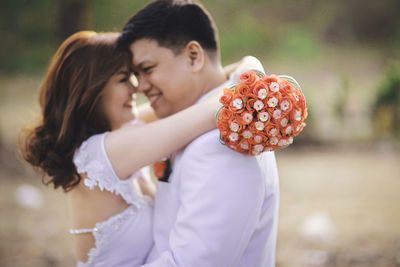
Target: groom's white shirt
x=219, y=208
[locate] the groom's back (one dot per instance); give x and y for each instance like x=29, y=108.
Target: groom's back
x=219, y=207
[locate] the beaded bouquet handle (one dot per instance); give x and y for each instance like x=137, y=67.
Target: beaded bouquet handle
x=261, y=113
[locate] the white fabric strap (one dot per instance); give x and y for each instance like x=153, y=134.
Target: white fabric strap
x=82, y=231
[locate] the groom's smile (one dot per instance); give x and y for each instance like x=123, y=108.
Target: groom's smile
x=153, y=96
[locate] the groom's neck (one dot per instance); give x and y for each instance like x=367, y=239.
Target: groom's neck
x=213, y=76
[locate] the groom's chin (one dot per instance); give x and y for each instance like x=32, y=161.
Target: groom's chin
x=162, y=112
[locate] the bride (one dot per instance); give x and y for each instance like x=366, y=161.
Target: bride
x=90, y=144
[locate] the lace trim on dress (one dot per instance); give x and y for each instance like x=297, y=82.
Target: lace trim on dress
x=102, y=233
x=100, y=172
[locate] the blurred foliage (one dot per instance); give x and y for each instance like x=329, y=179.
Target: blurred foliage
x=30, y=29
x=387, y=105
x=73, y=15
x=342, y=97
x=299, y=44
x=365, y=21
x=26, y=30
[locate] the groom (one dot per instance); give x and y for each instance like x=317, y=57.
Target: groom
x=218, y=207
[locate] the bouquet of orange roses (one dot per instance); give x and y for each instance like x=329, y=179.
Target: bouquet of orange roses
x=261, y=113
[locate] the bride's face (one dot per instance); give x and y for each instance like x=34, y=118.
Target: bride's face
x=117, y=100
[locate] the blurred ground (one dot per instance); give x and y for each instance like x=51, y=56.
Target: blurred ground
x=339, y=207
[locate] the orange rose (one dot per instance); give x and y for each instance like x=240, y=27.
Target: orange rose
x=296, y=115
x=287, y=87
x=224, y=114
x=234, y=124
x=223, y=127
x=271, y=112
x=302, y=101
x=260, y=89
x=299, y=101
x=232, y=145
x=242, y=89
x=277, y=115
x=288, y=130
x=226, y=99
x=245, y=117
x=270, y=79
x=244, y=145
x=258, y=138
x=264, y=116
x=270, y=100
x=283, y=122
x=237, y=105
x=251, y=99
x=271, y=130
x=285, y=104
x=298, y=127
x=249, y=78
x=305, y=114
x=257, y=129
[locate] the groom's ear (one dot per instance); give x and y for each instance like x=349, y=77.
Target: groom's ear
x=195, y=55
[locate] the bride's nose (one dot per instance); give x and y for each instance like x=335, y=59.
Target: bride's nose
x=132, y=88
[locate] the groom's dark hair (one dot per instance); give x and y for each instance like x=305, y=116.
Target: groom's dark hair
x=172, y=24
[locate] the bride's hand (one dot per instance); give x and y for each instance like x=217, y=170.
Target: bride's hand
x=242, y=66
x=228, y=69
x=236, y=69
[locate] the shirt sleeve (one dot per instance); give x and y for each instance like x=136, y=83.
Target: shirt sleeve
x=222, y=193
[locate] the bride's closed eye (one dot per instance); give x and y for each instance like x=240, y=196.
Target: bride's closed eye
x=124, y=79
x=123, y=76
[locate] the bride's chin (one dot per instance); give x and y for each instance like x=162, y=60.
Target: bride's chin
x=130, y=117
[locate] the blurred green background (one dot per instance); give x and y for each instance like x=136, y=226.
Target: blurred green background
x=340, y=181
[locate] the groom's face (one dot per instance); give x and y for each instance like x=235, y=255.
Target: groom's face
x=165, y=78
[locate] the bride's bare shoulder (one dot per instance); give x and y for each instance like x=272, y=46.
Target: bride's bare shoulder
x=89, y=206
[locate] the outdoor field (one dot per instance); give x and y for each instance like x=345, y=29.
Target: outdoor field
x=339, y=181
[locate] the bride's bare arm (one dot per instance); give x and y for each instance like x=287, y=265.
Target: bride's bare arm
x=131, y=148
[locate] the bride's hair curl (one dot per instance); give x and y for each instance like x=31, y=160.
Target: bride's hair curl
x=70, y=102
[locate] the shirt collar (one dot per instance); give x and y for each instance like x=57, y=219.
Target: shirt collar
x=226, y=84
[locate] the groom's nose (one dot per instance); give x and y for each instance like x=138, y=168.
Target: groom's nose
x=144, y=84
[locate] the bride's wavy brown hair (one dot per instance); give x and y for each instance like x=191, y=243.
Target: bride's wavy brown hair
x=70, y=101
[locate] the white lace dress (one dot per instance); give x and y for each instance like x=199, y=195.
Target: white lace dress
x=125, y=238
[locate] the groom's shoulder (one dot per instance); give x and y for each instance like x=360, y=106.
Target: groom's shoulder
x=206, y=142
x=206, y=154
